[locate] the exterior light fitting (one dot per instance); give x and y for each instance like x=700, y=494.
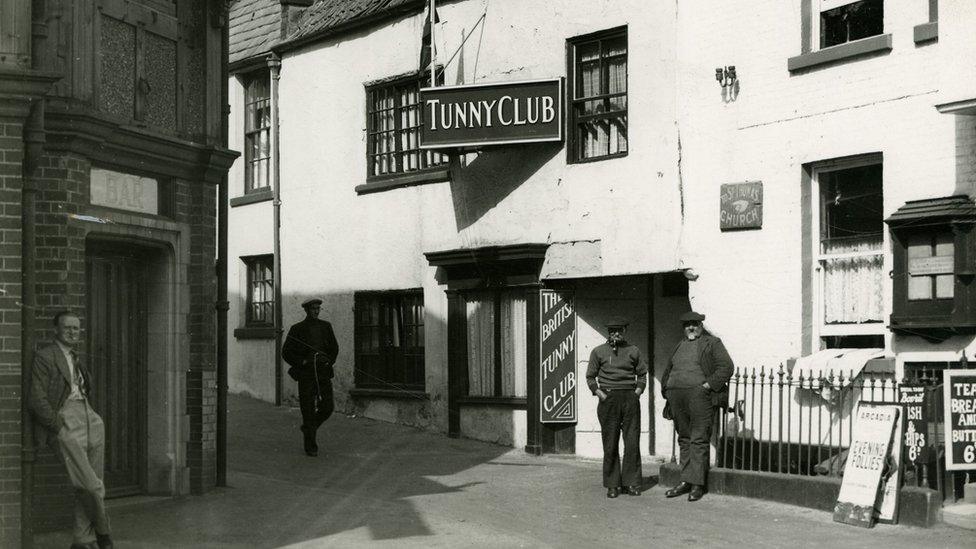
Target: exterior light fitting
x=725, y=76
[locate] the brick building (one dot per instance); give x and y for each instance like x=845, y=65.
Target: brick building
x=831, y=118
x=111, y=157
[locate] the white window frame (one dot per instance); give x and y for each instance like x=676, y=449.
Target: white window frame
x=820, y=328
x=820, y=6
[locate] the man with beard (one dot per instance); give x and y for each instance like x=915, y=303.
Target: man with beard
x=311, y=349
x=617, y=375
x=695, y=383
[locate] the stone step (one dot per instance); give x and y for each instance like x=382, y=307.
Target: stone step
x=962, y=515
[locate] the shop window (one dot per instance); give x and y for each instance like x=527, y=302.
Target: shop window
x=843, y=21
x=389, y=340
x=393, y=120
x=598, y=95
x=496, y=331
x=849, y=259
x=257, y=132
x=259, y=308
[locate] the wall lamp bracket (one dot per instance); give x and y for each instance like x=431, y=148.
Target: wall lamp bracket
x=726, y=76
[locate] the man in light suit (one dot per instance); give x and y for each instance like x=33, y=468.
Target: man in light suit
x=64, y=419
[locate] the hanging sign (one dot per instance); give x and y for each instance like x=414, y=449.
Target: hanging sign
x=915, y=405
x=492, y=114
x=960, y=419
x=867, y=460
x=557, y=372
x=740, y=206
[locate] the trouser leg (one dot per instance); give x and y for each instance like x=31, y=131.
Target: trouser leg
x=698, y=417
x=326, y=404
x=81, y=446
x=608, y=412
x=682, y=424
x=306, y=400
x=630, y=427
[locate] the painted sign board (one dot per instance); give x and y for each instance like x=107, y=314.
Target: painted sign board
x=871, y=439
x=887, y=509
x=557, y=372
x=502, y=113
x=960, y=419
x=930, y=265
x=740, y=206
x=124, y=191
x=915, y=404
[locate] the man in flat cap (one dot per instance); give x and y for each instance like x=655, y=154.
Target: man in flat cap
x=311, y=349
x=617, y=375
x=695, y=384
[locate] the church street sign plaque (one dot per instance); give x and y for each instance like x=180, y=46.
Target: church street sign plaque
x=504, y=113
x=557, y=374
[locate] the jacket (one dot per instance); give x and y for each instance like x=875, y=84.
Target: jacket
x=49, y=388
x=300, y=350
x=716, y=364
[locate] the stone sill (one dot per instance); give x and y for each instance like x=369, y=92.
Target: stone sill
x=254, y=332
x=926, y=32
x=840, y=52
x=405, y=394
x=252, y=198
x=404, y=180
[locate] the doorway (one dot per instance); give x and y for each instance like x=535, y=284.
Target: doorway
x=117, y=337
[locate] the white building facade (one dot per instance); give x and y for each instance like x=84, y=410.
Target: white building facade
x=434, y=265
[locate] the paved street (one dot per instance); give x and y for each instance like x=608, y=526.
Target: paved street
x=383, y=485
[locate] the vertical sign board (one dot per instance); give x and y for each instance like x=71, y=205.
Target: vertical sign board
x=871, y=437
x=913, y=404
x=557, y=373
x=960, y=419
x=887, y=508
x=740, y=206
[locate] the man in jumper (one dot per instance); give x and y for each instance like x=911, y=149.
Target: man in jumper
x=617, y=375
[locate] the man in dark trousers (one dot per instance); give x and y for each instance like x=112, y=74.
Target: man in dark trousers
x=63, y=418
x=311, y=349
x=617, y=375
x=695, y=384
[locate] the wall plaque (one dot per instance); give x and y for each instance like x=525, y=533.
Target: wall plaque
x=124, y=191
x=740, y=206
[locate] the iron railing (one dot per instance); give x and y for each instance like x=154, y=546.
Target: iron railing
x=791, y=423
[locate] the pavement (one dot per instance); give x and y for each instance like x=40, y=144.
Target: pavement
x=376, y=484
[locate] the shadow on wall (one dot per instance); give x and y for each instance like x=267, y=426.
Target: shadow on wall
x=484, y=182
x=966, y=155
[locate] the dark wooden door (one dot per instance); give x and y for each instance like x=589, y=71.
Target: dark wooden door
x=117, y=358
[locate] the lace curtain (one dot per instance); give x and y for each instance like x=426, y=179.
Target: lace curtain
x=481, y=318
x=853, y=286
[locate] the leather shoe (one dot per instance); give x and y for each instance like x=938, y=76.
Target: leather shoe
x=105, y=541
x=633, y=490
x=311, y=448
x=613, y=492
x=696, y=493
x=681, y=488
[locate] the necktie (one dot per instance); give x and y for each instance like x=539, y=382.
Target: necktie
x=78, y=378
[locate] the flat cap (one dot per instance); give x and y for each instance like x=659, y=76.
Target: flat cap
x=310, y=302
x=617, y=321
x=692, y=316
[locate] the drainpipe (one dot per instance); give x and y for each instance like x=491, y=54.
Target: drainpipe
x=274, y=65
x=33, y=149
x=222, y=304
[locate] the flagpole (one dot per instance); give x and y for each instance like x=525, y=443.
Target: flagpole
x=433, y=49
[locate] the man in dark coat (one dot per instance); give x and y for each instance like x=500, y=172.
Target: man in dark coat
x=695, y=384
x=311, y=349
x=63, y=418
x=617, y=375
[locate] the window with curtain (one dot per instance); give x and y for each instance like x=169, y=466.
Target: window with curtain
x=257, y=132
x=259, y=309
x=844, y=21
x=931, y=260
x=496, y=330
x=394, y=117
x=598, y=67
x=389, y=339
x=851, y=255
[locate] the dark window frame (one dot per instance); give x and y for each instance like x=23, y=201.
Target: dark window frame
x=844, y=14
x=256, y=132
x=428, y=161
x=251, y=263
x=574, y=142
x=497, y=295
x=390, y=369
